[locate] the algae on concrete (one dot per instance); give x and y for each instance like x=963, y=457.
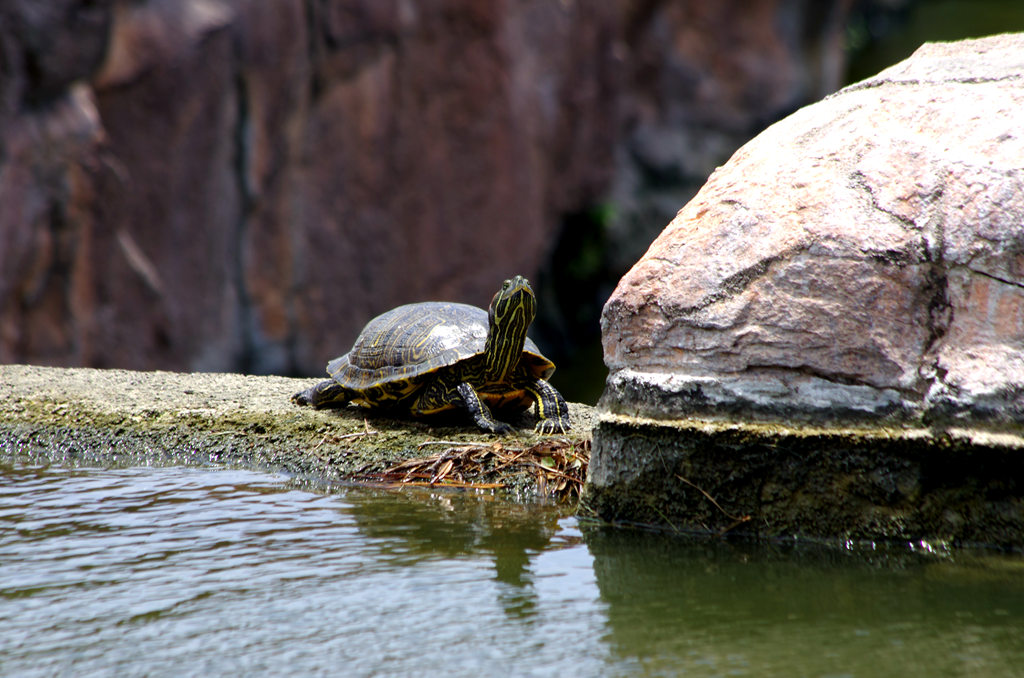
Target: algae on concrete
x=119, y=417
x=959, y=487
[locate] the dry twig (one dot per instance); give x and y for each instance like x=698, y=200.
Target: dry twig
x=477, y=466
x=736, y=520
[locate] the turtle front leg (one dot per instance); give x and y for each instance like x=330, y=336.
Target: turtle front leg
x=480, y=412
x=328, y=393
x=552, y=412
x=441, y=395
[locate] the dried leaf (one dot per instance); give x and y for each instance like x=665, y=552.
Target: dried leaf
x=444, y=470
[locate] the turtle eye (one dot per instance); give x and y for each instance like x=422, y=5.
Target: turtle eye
x=505, y=285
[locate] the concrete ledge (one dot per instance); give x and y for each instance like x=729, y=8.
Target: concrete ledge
x=89, y=416
x=957, y=487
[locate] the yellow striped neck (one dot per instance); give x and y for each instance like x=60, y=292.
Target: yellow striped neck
x=511, y=312
x=504, y=348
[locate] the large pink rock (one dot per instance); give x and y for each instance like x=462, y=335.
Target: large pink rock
x=828, y=340
x=862, y=259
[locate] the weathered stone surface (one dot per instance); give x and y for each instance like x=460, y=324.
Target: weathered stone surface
x=240, y=185
x=828, y=340
x=120, y=236
x=958, y=488
x=89, y=417
x=50, y=130
x=862, y=258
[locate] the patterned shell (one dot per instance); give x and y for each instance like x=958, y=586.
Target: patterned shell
x=412, y=342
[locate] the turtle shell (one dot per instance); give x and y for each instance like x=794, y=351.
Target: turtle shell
x=400, y=350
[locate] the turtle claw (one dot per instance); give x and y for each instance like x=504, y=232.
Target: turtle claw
x=553, y=426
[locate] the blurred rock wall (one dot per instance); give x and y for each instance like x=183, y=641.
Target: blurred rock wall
x=241, y=184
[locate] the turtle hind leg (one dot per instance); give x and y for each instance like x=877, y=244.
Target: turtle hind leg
x=328, y=393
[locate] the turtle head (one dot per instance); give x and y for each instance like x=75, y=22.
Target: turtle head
x=510, y=314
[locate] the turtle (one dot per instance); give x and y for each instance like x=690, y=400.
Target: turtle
x=431, y=357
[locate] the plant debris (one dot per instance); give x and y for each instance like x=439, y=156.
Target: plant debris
x=558, y=467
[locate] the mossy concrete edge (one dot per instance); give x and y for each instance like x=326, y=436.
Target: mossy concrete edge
x=863, y=484
x=122, y=417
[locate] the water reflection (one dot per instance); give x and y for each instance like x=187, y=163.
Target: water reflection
x=168, y=571
x=411, y=526
x=157, y=571
x=725, y=607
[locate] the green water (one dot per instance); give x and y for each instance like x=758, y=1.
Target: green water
x=172, y=571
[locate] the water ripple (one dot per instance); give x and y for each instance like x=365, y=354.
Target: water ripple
x=174, y=571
